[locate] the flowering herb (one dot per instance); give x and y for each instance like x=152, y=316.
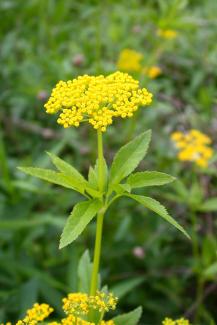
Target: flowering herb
x=97, y=100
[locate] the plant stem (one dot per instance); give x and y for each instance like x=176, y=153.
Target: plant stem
x=100, y=161
x=100, y=217
x=98, y=37
x=97, y=252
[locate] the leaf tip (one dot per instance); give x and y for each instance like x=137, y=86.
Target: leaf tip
x=62, y=244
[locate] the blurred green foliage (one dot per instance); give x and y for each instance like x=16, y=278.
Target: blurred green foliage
x=45, y=41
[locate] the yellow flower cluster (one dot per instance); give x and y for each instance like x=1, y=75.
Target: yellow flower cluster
x=36, y=314
x=81, y=303
x=103, y=301
x=76, y=304
x=72, y=320
x=152, y=72
x=181, y=321
x=129, y=60
x=193, y=146
x=167, y=33
x=96, y=99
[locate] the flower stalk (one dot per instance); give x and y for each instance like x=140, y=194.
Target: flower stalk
x=100, y=217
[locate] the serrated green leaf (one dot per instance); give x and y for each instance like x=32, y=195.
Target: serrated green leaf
x=128, y=157
x=81, y=215
x=158, y=208
x=53, y=177
x=131, y=318
x=66, y=168
x=149, y=178
x=209, y=205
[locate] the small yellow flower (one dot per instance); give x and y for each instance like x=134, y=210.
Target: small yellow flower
x=181, y=321
x=193, y=146
x=168, y=321
x=129, y=61
x=80, y=303
x=167, y=33
x=36, y=314
x=152, y=72
x=103, y=301
x=76, y=304
x=96, y=100
x=72, y=320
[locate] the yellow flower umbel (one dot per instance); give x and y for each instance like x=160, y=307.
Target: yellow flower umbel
x=36, y=314
x=80, y=303
x=167, y=33
x=193, y=146
x=96, y=99
x=181, y=321
x=103, y=302
x=76, y=304
x=130, y=61
x=152, y=72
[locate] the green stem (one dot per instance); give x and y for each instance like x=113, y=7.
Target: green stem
x=100, y=161
x=98, y=37
x=97, y=252
x=100, y=217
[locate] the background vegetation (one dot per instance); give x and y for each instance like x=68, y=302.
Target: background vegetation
x=145, y=261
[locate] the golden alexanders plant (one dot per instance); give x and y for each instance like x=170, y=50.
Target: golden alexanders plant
x=98, y=100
